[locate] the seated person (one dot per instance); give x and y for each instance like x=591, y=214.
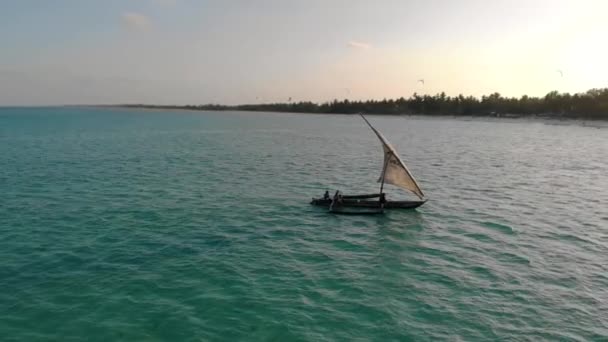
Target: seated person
x=337, y=197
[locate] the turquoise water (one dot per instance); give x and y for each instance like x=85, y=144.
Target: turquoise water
x=195, y=226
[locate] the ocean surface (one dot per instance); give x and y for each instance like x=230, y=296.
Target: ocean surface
x=133, y=225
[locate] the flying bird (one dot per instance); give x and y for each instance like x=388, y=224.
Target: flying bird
x=421, y=81
x=561, y=73
x=289, y=100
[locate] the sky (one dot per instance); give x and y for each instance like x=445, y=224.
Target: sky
x=240, y=51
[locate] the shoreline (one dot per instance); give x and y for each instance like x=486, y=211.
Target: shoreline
x=535, y=117
x=501, y=117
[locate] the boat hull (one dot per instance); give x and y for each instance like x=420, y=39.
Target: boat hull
x=356, y=210
x=356, y=203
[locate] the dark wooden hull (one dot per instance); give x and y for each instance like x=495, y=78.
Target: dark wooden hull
x=356, y=211
x=369, y=204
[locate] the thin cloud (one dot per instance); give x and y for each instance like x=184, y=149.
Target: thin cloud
x=165, y=2
x=359, y=45
x=136, y=21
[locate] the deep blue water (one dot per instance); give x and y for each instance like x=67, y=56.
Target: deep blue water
x=195, y=226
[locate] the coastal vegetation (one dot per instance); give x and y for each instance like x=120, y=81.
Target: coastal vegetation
x=592, y=104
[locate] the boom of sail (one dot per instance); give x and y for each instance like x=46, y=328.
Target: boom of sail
x=394, y=170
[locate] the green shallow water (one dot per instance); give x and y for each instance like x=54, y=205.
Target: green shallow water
x=195, y=226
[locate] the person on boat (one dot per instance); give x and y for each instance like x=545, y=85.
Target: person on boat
x=326, y=195
x=337, y=198
x=334, y=200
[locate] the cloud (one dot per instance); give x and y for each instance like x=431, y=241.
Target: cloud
x=165, y=2
x=136, y=21
x=359, y=45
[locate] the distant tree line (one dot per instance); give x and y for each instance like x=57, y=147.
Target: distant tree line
x=592, y=104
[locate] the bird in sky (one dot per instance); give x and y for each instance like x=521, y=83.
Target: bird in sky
x=421, y=81
x=561, y=73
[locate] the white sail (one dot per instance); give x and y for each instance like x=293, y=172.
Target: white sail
x=394, y=171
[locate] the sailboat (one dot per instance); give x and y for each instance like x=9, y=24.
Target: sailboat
x=394, y=172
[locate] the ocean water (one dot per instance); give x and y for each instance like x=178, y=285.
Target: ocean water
x=127, y=225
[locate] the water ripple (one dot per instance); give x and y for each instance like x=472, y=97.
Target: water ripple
x=195, y=226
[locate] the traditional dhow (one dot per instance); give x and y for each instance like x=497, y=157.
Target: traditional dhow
x=394, y=172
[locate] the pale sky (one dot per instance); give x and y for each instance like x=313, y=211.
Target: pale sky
x=229, y=52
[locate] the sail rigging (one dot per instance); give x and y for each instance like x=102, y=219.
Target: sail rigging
x=394, y=170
